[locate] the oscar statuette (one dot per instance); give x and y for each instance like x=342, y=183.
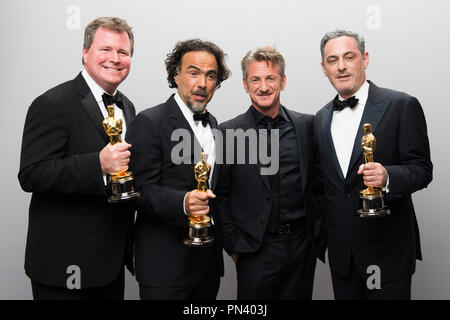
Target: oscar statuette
x=371, y=199
x=199, y=233
x=122, y=183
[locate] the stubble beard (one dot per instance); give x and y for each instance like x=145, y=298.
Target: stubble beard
x=196, y=108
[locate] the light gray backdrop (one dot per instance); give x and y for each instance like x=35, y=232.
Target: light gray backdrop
x=408, y=43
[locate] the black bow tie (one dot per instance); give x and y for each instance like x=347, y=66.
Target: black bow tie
x=109, y=100
x=203, y=117
x=339, y=105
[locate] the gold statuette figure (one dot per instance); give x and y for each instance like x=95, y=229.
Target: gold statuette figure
x=368, y=143
x=371, y=198
x=199, y=233
x=122, y=183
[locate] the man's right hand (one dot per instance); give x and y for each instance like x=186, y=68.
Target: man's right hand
x=197, y=202
x=234, y=256
x=115, y=158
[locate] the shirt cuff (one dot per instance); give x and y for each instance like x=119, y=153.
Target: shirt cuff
x=386, y=188
x=184, y=202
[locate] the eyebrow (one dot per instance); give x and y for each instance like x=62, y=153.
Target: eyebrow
x=264, y=77
x=346, y=53
x=106, y=46
x=198, y=69
x=193, y=67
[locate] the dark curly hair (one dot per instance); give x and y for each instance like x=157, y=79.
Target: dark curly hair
x=173, y=61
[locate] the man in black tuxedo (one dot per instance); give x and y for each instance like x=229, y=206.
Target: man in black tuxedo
x=166, y=268
x=370, y=258
x=270, y=213
x=77, y=242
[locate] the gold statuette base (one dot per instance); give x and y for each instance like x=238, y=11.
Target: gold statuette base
x=198, y=235
x=372, y=205
x=122, y=188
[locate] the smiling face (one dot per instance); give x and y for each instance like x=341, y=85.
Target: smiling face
x=264, y=85
x=196, y=79
x=344, y=65
x=108, y=60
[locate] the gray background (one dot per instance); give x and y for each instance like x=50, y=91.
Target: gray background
x=408, y=43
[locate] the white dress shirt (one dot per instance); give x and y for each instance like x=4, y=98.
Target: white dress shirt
x=204, y=136
x=345, y=126
x=97, y=91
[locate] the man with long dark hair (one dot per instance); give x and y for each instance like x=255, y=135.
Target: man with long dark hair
x=166, y=268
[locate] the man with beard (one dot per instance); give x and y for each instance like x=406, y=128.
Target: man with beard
x=166, y=268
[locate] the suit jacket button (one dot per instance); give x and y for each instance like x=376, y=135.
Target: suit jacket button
x=349, y=195
x=262, y=222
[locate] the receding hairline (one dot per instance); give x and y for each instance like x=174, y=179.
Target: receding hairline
x=347, y=52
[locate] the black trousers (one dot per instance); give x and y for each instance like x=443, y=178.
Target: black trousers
x=205, y=291
x=283, y=268
x=113, y=291
x=354, y=287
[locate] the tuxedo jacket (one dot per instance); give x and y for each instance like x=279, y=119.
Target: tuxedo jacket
x=244, y=195
x=71, y=222
x=391, y=242
x=161, y=257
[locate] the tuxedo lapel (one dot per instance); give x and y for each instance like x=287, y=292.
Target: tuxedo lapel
x=373, y=113
x=327, y=116
x=91, y=106
x=218, y=147
x=180, y=122
x=128, y=112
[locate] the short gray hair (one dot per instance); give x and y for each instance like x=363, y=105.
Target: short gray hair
x=268, y=54
x=341, y=33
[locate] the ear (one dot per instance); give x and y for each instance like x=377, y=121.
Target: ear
x=324, y=70
x=283, y=82
x=175, y=78
x=366, y=59
x=245, y=85
x=84, y=55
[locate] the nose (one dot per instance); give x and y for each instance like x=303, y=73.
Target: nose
x=341, y=65
x=263, y=86
x=202, y=81
x=114, y=56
